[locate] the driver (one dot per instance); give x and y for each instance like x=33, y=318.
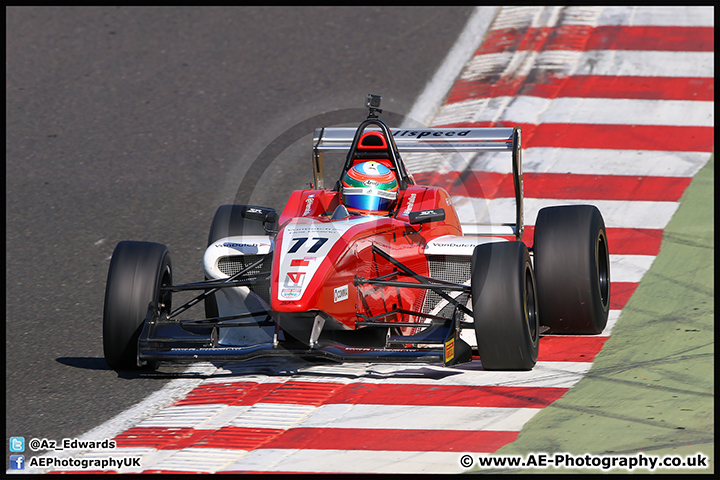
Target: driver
x=369, y=188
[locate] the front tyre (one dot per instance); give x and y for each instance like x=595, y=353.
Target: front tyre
x=138, y=271
x=504, y=306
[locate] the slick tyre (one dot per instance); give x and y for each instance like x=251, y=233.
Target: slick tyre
x=137, y=272
x=504, y=306
x=572, y=268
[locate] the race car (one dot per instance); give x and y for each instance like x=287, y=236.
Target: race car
x=375, y=269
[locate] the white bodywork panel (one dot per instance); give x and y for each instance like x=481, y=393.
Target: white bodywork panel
x=239, y=300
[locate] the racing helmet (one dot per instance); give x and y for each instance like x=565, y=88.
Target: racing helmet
x=369, y=188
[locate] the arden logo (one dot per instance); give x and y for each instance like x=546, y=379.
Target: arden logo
x=294, y=279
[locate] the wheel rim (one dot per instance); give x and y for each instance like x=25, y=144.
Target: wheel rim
x=530, y=306
x=603, y=269
x=165, y=296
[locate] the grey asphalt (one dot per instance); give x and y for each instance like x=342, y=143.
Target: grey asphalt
x=137, y=123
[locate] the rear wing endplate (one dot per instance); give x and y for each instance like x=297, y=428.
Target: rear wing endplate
x=429, y=140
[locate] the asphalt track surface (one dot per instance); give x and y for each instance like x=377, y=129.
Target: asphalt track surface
x=137, y=123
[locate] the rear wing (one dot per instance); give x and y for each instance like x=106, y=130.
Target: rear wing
x=493, y=139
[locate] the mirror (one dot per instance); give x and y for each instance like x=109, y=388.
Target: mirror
x=426, y=216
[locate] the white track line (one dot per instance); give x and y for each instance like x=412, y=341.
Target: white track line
x=435, y=91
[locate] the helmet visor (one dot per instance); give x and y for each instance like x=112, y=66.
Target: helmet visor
x=368, y=199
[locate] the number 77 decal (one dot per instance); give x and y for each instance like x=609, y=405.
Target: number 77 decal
x=319, y=242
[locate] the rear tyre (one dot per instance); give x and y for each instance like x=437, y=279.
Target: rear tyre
x=572, y=267
x=137, y=272
x=504, y=306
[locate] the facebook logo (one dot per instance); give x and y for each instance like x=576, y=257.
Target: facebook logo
x=17, y=462
x=17, y=444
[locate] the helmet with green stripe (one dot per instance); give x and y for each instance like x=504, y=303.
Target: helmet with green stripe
x=369, y=188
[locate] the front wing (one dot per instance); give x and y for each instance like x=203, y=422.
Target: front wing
x=168, y=341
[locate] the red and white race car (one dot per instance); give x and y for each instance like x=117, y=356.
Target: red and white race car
x=375, y=269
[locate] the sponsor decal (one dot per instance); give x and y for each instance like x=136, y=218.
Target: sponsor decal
x=370, y=191
x=308, y=204
x=314, y=247
x=430, y=133
x=241, y=245
x=335, y=229
x=371, y=168
x=410, y=204
x=449, y=349
x=453, y=245
x=341, y=293
x=290, y=292
x=294, y=279
x=299, y=263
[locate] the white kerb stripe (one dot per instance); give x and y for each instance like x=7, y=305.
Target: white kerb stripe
x=616, y=213
x=588, y=161
x=646, y=63
x=616, y=63
x=669, y=16
x=578, y=161
x=345, y=461
x=200, y=459
x=629, y=268
x=418, y=417
x=608, y=111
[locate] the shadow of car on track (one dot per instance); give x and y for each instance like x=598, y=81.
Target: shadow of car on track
x=99, y=363
x=278, y=367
